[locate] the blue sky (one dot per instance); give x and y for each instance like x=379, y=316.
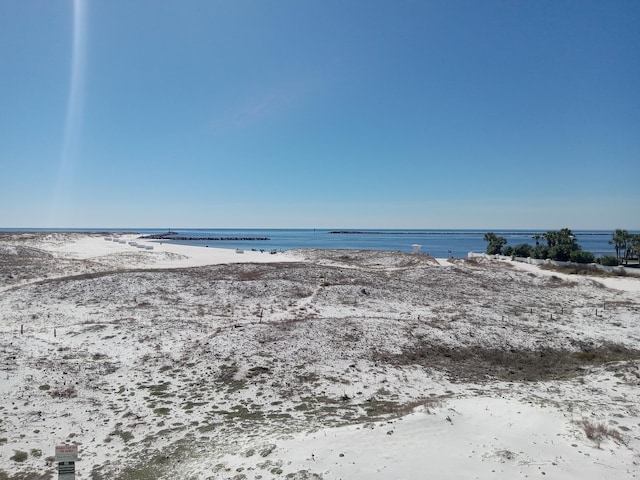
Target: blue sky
x=320, y=114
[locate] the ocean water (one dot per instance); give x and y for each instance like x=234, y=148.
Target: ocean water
x=437, y=243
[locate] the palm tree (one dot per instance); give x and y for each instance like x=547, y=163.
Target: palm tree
x=490, y=237
x=566, y=237
x=551, y=237
x=537, y=237
x=620, y=240
x=561, y=243
x=634, y=246
x=495, y=243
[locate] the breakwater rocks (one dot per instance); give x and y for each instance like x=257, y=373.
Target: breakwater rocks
x=172, y=236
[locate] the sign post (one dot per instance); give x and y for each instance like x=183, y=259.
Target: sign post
x=66, y=456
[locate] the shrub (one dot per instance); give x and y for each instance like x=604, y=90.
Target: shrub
x=64, y=392
x=508, y=251
x=608, y=260
x=560, y=252
x=582, y=256
x=541, y=252
x=523, y=250
x=19, y=456
x=495, y=243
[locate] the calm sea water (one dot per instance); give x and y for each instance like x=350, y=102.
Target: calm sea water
x=438, y=243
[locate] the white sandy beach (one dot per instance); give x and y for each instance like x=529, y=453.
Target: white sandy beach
x=191, y=362
x=163, y=255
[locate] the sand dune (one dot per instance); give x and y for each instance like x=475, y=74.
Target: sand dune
x=189, y=362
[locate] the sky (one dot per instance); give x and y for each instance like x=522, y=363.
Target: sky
x=320, y=114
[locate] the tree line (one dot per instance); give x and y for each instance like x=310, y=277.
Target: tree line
x=561, y=245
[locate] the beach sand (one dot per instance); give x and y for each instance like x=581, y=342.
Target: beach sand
x=192, y=362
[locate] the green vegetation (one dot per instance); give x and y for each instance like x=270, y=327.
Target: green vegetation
x=495, y=243
x=626, y=245
x=609, y=261
x=523, y=250
x=207, y=428
x=541, y=251
x=561, y=245
x=582, y=256
x=634, y=246
x=19, y=456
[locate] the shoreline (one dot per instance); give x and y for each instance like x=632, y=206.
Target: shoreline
x=95, y=246
x=165, y=254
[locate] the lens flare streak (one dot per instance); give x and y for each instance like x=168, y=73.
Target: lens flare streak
x=69, y=154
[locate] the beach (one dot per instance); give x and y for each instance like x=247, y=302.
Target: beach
x=194, y=362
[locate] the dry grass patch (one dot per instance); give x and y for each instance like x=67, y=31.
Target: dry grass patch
x=583, y=269
x=64, y=392
x=19, y=456
x=598, y=432
x=478, y=363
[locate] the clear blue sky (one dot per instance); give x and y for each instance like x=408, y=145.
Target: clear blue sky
x=320, y=113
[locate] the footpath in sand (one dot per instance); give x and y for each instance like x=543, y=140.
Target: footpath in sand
x=191, y=362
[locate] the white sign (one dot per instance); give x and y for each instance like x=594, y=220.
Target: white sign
x=66, y=453
x=66, y=470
